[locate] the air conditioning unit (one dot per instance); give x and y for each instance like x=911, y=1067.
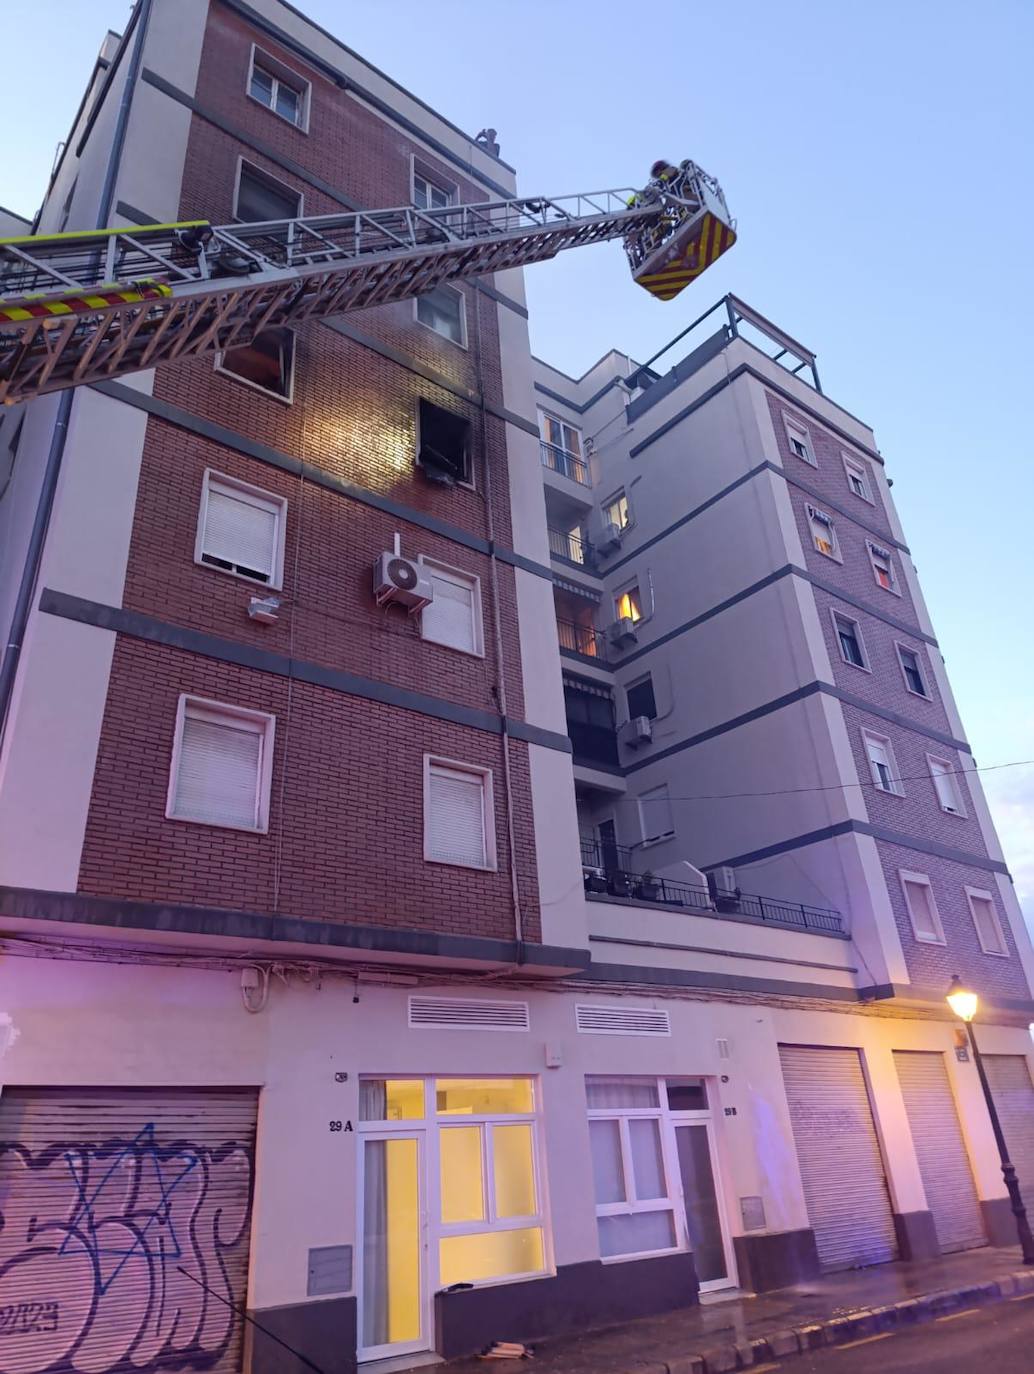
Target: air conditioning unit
x=637, y=731
x=623, y=631
x=608, y=537
x=721, y=884
x=402, y=582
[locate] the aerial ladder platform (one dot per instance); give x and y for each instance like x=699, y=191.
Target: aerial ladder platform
x=91, y=306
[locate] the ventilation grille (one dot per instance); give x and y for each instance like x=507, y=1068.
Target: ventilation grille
x=600, y=1020
x=464, y=1013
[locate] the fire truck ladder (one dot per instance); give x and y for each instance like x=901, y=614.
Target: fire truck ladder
x=85, y=307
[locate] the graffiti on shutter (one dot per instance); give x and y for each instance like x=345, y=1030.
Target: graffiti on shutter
x=124, y=1229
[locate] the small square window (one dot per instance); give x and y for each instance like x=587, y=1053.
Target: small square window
x=799, y=439
x=453, y=618
x=985, y=918
x=922, y=908
x=278, y=88
x=858, y=477
x=910, y=666
x=443, y=444
x=459, y=819
x=222, y=762
x=640, y=698
x=823, y=533
x=261, y=197
x=882, y=763
x=945, y=782
x=849, y=641
x=267, y=363
x=616, y=512
x=883, y=567
x=429, y=194
x=628, y=605
x=444, y=311
x=655, y=816
x=240, y=530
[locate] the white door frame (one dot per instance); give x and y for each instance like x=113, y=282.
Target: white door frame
x=706, y=1119
x=405, y=1130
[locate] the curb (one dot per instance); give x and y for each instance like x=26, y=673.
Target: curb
x=840, y=1329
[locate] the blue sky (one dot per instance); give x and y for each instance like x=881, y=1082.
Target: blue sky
x=878, y=159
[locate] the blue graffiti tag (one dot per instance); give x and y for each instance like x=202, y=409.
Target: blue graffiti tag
x=142, y=1150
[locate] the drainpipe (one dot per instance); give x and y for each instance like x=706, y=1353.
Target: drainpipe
x=52, y=471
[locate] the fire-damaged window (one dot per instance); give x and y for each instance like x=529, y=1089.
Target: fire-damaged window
x=266, y=363
x=443, y=445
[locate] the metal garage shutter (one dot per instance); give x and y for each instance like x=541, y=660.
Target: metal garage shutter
x=943, y=1162
x=841, y=1167
x=1013, y=1094
x=117, y=1205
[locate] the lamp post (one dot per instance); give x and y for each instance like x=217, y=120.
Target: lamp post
x=964, y=1004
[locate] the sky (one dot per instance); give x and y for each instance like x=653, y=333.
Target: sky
x=878, y=160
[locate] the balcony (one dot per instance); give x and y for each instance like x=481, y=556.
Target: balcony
x=565, y=463
x=613, y=871
x=570, y=548
x=583, y=640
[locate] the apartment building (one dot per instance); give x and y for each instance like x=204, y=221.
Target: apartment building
x=551, y=954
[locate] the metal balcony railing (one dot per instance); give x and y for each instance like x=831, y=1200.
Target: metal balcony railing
x=582, y=639
x=567, y=546
x=615, y=871
x=566, y=463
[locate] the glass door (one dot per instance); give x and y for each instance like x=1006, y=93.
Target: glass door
x=393, y=1302
x=712, y=1249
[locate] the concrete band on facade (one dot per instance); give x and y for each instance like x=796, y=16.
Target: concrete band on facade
x=140, y=626
x=219, y=434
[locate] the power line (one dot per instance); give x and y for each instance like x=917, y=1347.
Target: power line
x=836, y=786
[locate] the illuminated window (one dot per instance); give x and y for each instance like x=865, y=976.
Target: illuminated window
x=616, y=511
x=799, y=439
x=627, y=604
x=222, y=763
x=391, y=1099
x=278, y=88
x=882, y=567
x=823, y=532
x=241, y=529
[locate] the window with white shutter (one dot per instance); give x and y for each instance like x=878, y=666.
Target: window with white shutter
x=882, y=763
x=221, y=765
x=453, y=618
x=655, y=814
x=241, y=530
x=922, y=909
x=458, y=814
x=985, y=918
x=946, y=785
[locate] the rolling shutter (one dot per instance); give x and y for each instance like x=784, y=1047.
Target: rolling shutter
x=841, y=1167
x=219, y=770
x=120, y=1207
x=456, y=824
x=943, y=1161
x=1013, y=1093
x=449, y=619
x=241, y=530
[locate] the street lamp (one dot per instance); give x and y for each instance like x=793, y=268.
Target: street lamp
x=964, y=1004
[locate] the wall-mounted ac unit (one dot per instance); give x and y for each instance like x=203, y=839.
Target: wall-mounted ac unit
x=608, y=537
x=402, y=582
x=721, y=883
x=623, y=631
x=637, y=731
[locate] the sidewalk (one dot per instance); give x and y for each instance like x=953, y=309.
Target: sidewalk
x=738, y=1332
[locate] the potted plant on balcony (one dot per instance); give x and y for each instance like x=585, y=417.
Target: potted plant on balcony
x=649, y=887
x=595, y=879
